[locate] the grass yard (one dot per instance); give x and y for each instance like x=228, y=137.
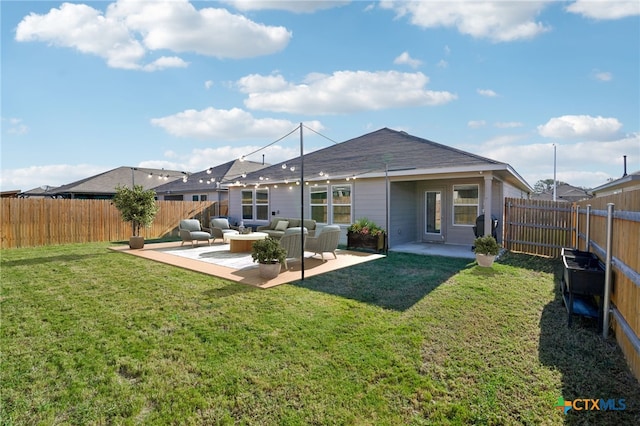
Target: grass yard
x=91, y=336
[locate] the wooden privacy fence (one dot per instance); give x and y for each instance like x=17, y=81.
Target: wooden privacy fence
x=537, y=227
x=31, y=222
x=625, y=261
x=544, y=227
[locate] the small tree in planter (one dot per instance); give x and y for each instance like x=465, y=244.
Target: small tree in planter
x=270, y=255
x=138, y=206
x=486, y=249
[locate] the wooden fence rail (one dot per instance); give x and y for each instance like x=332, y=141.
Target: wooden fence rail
x=32, y=222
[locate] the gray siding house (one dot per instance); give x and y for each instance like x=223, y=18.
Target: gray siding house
x=416, y=189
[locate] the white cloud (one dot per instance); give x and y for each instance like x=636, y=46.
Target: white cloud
x=487, y=93
x=165, y=62
x=605, y=10
x=233, y=124
x=442, y=63
x=15, y=126
x=499, y=21
x=406, y=59
x=507, y=124
x=28, y=178
x=475, y=124
x=602, y=75
x=341, y=92
x=208, y=84
x=581, y=126
x=297, y=6
x=129, y=31
x=587, y=163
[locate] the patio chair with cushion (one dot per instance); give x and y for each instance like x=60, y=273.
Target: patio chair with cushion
x=292, y=242
x=325, y=242
x=220, y=226
x=190, y=230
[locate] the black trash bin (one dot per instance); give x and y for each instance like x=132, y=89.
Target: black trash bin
x=478, y=230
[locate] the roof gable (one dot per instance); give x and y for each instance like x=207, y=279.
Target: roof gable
x=206, y=179
x=374, y=152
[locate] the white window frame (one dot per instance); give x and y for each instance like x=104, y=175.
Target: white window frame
x=454, y=205
x=334, y=204
x=317, y=189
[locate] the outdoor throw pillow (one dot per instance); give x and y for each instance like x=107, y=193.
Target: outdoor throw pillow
x=282, y=225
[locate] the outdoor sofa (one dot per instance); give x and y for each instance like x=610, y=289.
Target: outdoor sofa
x=279, y=225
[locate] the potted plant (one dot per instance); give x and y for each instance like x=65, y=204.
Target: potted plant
x=365, y=233
x=269, y=255
x=486, y=249
x=138, y=206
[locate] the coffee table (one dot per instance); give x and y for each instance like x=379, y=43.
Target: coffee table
x=239, y=243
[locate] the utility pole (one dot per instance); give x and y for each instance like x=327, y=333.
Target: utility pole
x=555, y=184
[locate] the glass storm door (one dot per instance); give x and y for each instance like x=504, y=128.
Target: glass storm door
x=433, y=215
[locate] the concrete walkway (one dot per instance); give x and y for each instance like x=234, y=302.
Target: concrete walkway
x=436, y=249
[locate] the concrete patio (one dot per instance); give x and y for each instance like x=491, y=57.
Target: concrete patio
x=435, y=249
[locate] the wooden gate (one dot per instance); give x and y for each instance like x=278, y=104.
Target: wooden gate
x=538, y=227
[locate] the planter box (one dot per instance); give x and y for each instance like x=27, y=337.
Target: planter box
x=368, y=242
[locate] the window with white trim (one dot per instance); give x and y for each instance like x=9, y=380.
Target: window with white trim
x=341, y=204
x=337, y=209
x=262, y=204
x=466, y=204
x=319, y=203
x=247, y=204
x=255, y=204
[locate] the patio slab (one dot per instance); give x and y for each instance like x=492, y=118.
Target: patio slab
x=203, y=259
x=436, y=249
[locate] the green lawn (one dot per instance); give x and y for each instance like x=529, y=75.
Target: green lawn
x=91, y=336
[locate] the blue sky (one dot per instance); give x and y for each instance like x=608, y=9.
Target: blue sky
x=91, y=86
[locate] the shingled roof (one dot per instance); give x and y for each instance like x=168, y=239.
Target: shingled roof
x=203, y=180
x=372, y=152
x=104, y=184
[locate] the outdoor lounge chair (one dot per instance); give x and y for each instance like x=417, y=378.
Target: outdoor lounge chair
x=326, y=241
x=292, y=242
x=190, y=230
x=220, y=226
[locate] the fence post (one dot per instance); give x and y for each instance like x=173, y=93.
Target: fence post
x=607, y=274
x=588, y=229
x=577, y=245
x=507, y=227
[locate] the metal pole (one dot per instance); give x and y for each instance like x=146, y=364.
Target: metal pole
x=607, y=274
x=588, y=228
x=386, y=240
x=554, y=172
x=301, y=205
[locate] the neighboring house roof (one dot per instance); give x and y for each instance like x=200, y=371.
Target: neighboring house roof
x=104, y=184
x=41, y=191
x=397, y=152
x=625, y=183
x=10, y=194
x=564, y=192
x=206, y=180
